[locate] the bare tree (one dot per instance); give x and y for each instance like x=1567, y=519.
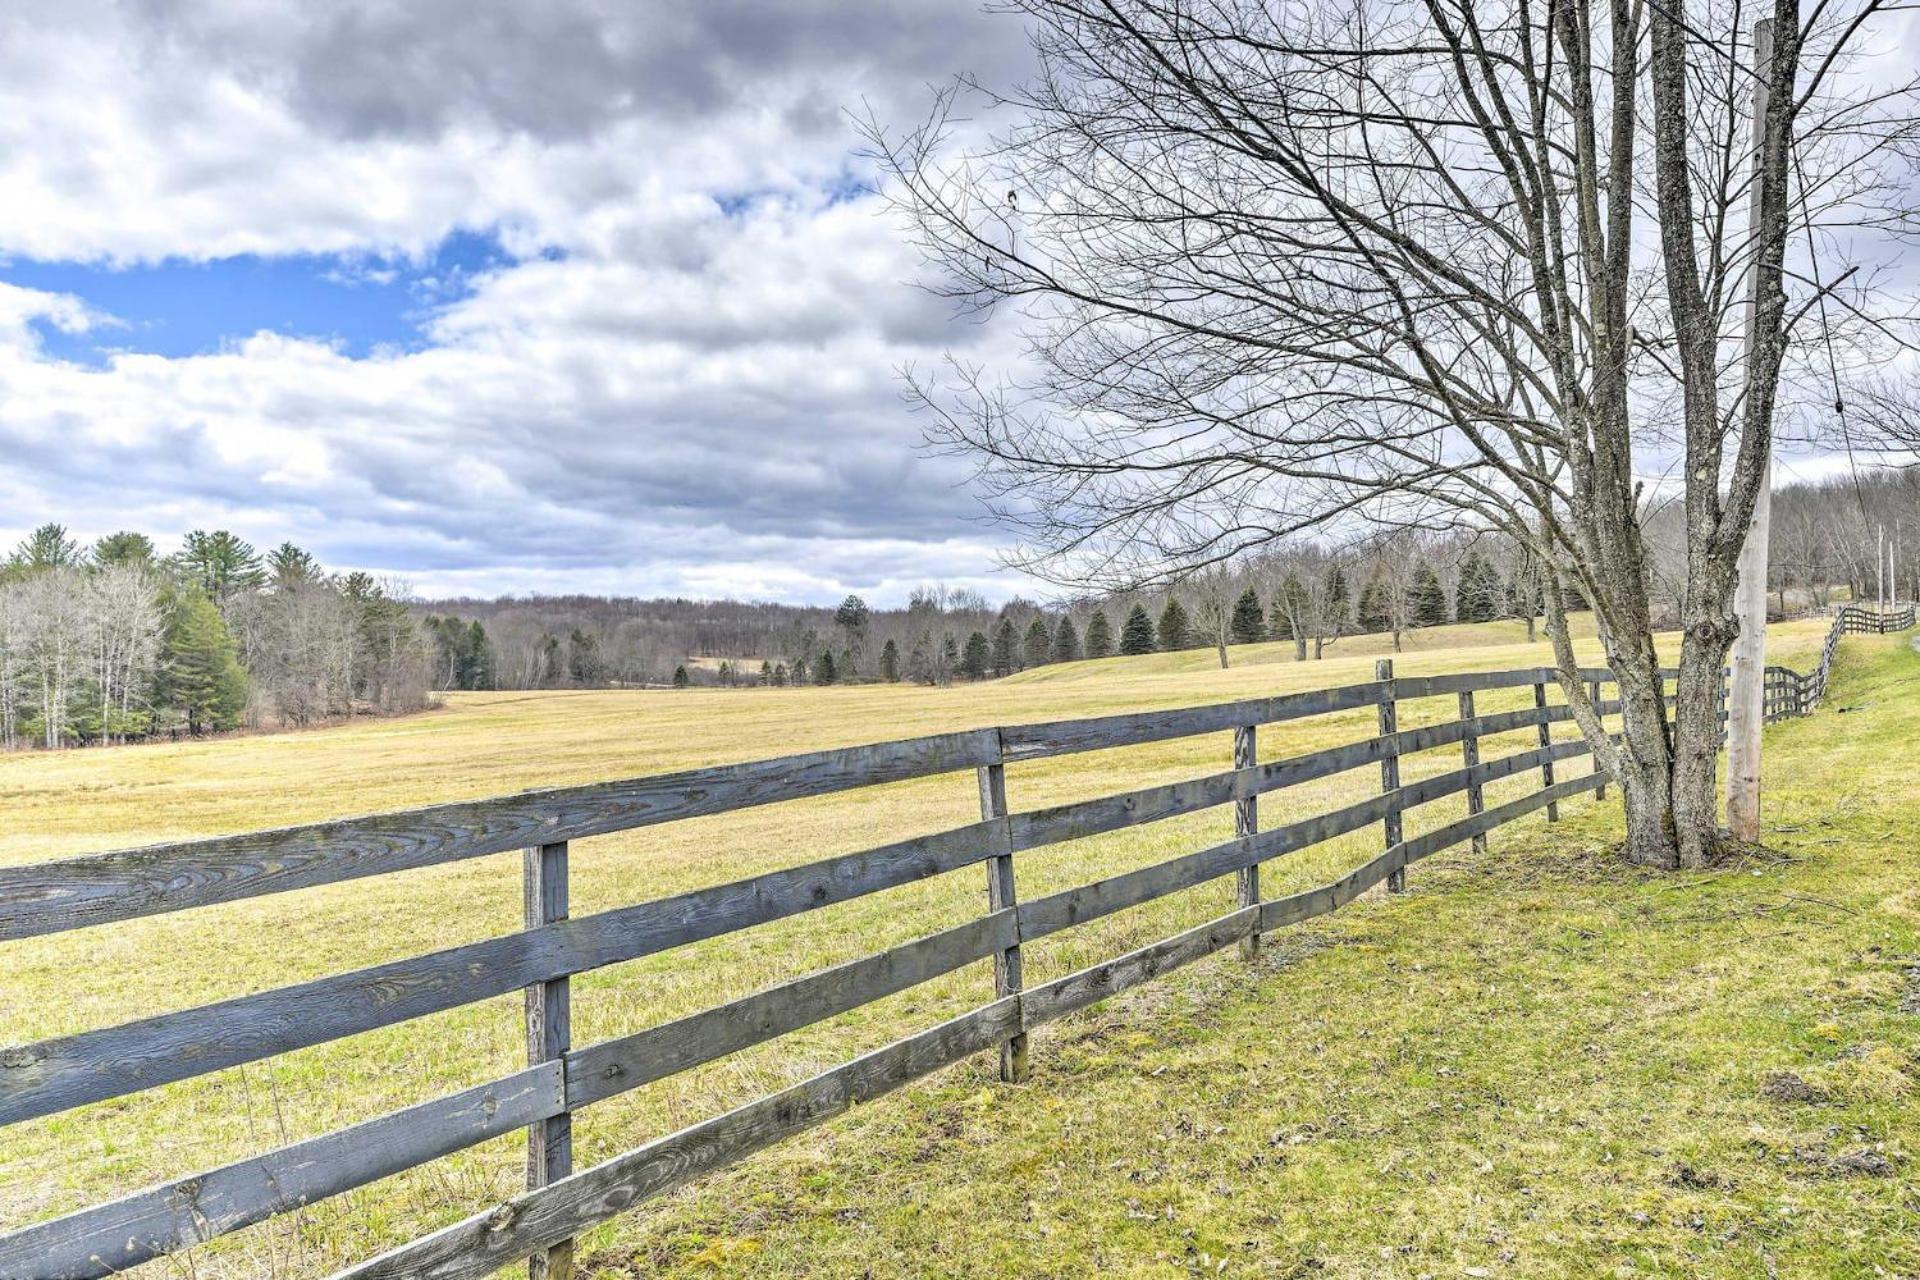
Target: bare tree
x=1286, y=265
x=1213, y=589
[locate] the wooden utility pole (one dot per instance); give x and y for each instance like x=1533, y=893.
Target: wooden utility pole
x=1746, y=710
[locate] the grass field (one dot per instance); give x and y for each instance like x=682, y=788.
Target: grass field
x=1537, y=1063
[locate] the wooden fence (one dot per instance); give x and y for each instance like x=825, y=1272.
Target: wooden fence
x=1789, y=693
x=560, y=1079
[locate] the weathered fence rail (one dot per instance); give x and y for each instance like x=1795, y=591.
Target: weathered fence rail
x=55, y=1075
x=1789, y=693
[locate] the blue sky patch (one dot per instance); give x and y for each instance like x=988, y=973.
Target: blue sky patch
x=181, y=308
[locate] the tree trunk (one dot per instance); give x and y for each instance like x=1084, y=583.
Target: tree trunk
x=1220, y=644
x=1299, y=646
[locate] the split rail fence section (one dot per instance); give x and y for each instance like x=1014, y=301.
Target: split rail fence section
x=1788, y=693
x=561, y=1078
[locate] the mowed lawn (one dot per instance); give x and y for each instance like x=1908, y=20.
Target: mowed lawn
x=1537, y=1063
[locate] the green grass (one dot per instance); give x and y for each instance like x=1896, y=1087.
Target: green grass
x=1537, y=1063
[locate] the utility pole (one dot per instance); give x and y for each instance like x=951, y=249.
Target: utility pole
x=1746, y=708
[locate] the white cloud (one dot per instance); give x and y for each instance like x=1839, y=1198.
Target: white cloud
x=662, y=396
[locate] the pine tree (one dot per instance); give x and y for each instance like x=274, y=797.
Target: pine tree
x=222, y=564
x=824, y=671
x=203, y=678
x=680, y=677
x=766, y=672
x=1374, y=613
x=1426, y=598
x=779, y=675
x=1006, y=648
x=1174, y=631
x=1099, y=635
x=800, y=669
x=1136, y=634
x=1066, y=641
x=978, y=656
x=288, y=567
x=1249, y=622
x=584, y=667
x=475, y=663
x=1477, y=598
x=890, y=662
x=1039, y=645
x=47, y=547
x=1339, y=602
x=124, y=548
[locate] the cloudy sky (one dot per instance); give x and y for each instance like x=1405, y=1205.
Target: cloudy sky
x=499, y=298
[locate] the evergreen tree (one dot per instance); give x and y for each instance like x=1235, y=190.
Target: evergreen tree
x=949, y=657
x=1477, y=598
x=1375, y=612
x=203, y=678
x=1039, y=646
x=475, y=663
x=1099, y=635
x=1006, y=648
x=680, y=677
x=1174, y=631
x=1066, y=641
x=47, y=547
x=800, y=669
x=766, y=672
x=779, y=675
x=1339, y=602
x=584, y=667
x=124, y=548
x=977, y=658
x=890, y=662
x=1136, y=633
x=222, y=564
x=1249, y=622
x=1426, y=598
x=824, y=671
x=289, y=567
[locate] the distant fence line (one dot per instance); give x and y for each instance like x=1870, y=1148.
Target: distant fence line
x=1789, y=693
x=55, y=1075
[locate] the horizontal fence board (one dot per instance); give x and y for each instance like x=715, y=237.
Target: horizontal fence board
x=1076, y=906
x=1096, y=733
x=1091, y=985
x=600, y=1071
x=1081, y=818
x=54, y=1075
x=50, y=897
x=107, y=1239
x=485, y=1242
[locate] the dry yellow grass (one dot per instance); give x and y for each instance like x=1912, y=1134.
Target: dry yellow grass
x=487, y=744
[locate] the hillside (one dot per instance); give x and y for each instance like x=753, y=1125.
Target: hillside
x=1535, y=1054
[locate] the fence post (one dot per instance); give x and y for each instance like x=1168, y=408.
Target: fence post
x=1390, y=768
x=1546, y=743
x=1599, y=792
x=1001, y=897
x=1470, y=757
x=1246, y=822
x=549, y=1036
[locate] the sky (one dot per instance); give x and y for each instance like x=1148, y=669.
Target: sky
x=491, y=297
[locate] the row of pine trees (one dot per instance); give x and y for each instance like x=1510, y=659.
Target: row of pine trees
x=1481, y=595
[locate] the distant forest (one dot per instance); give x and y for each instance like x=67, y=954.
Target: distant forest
x=1311, y=593
x=115, y=641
